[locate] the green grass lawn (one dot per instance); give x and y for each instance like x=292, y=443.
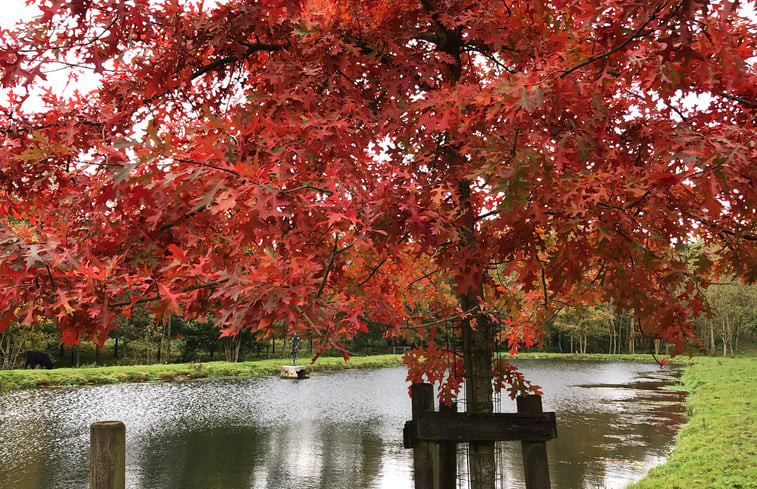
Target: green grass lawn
x=717, y=447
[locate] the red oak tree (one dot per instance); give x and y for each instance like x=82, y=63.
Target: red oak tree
x=326, y=163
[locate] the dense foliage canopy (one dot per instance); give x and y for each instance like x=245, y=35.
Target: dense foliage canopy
x=328, y=163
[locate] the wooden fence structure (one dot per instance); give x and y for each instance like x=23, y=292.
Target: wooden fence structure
x=434, y=435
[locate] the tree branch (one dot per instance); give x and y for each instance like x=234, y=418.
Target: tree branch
x=157, y=297
x=206, y=165
x=334, y=252
x=742, y=100
x=307, y=186
x=424, y=276
x=640, y=32
x=442, y=320
x=373, y=272
x=233, y=58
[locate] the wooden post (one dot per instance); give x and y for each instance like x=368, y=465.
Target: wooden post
x=434, y=436
x=425, y=453
x=448, y=456
x=107, y=455
x=535, y=466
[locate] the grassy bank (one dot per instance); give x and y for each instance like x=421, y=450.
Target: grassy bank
x=717, y=448
x=68, y=377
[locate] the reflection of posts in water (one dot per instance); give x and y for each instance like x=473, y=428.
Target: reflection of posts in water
x=295, y=348
x=433, y=434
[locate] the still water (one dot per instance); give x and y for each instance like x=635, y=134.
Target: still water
x=336, y=430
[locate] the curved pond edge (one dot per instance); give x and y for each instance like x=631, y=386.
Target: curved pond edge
x=717, y=447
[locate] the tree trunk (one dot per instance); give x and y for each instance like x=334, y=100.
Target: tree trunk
x=236, y=350
x=612, y=338
x=168, y=347
x=724, y=336
x=477, y=356
x=478, y=346
x=711, y=324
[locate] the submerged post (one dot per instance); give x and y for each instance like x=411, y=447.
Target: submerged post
x=434, y=435
x=448, y=456
x=425, y=453
x=107, y=455
x=535, y=466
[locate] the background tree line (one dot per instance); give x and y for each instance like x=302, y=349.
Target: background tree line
x=729, y=329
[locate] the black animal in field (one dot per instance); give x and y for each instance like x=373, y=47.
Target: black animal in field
x=40, y=358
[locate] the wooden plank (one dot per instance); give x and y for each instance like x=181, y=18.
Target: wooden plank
x=467, y=427
x=425, y=453
x=535, y=466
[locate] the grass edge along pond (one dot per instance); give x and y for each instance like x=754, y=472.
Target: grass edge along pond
x=717, y=447
x=73, y=377
x=81, y=376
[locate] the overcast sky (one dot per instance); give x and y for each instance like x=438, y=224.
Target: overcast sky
x=13, y=11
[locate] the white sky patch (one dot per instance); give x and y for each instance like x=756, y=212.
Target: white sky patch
x=15, y=11
x=57, y=83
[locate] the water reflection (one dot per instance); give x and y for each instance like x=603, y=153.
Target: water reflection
x=340, y=430
x=610, y=432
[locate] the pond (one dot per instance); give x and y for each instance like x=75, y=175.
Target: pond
x=336, y=430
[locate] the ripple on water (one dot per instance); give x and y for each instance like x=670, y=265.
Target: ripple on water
x=341, y=430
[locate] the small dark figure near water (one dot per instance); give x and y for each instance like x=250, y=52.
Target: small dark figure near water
x=40, y=358
x=296, y=342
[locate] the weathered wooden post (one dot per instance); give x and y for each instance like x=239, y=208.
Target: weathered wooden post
x=425, y=453
x=448, y=456
x=434, y=435
x=107, y=455
x=535, y=466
